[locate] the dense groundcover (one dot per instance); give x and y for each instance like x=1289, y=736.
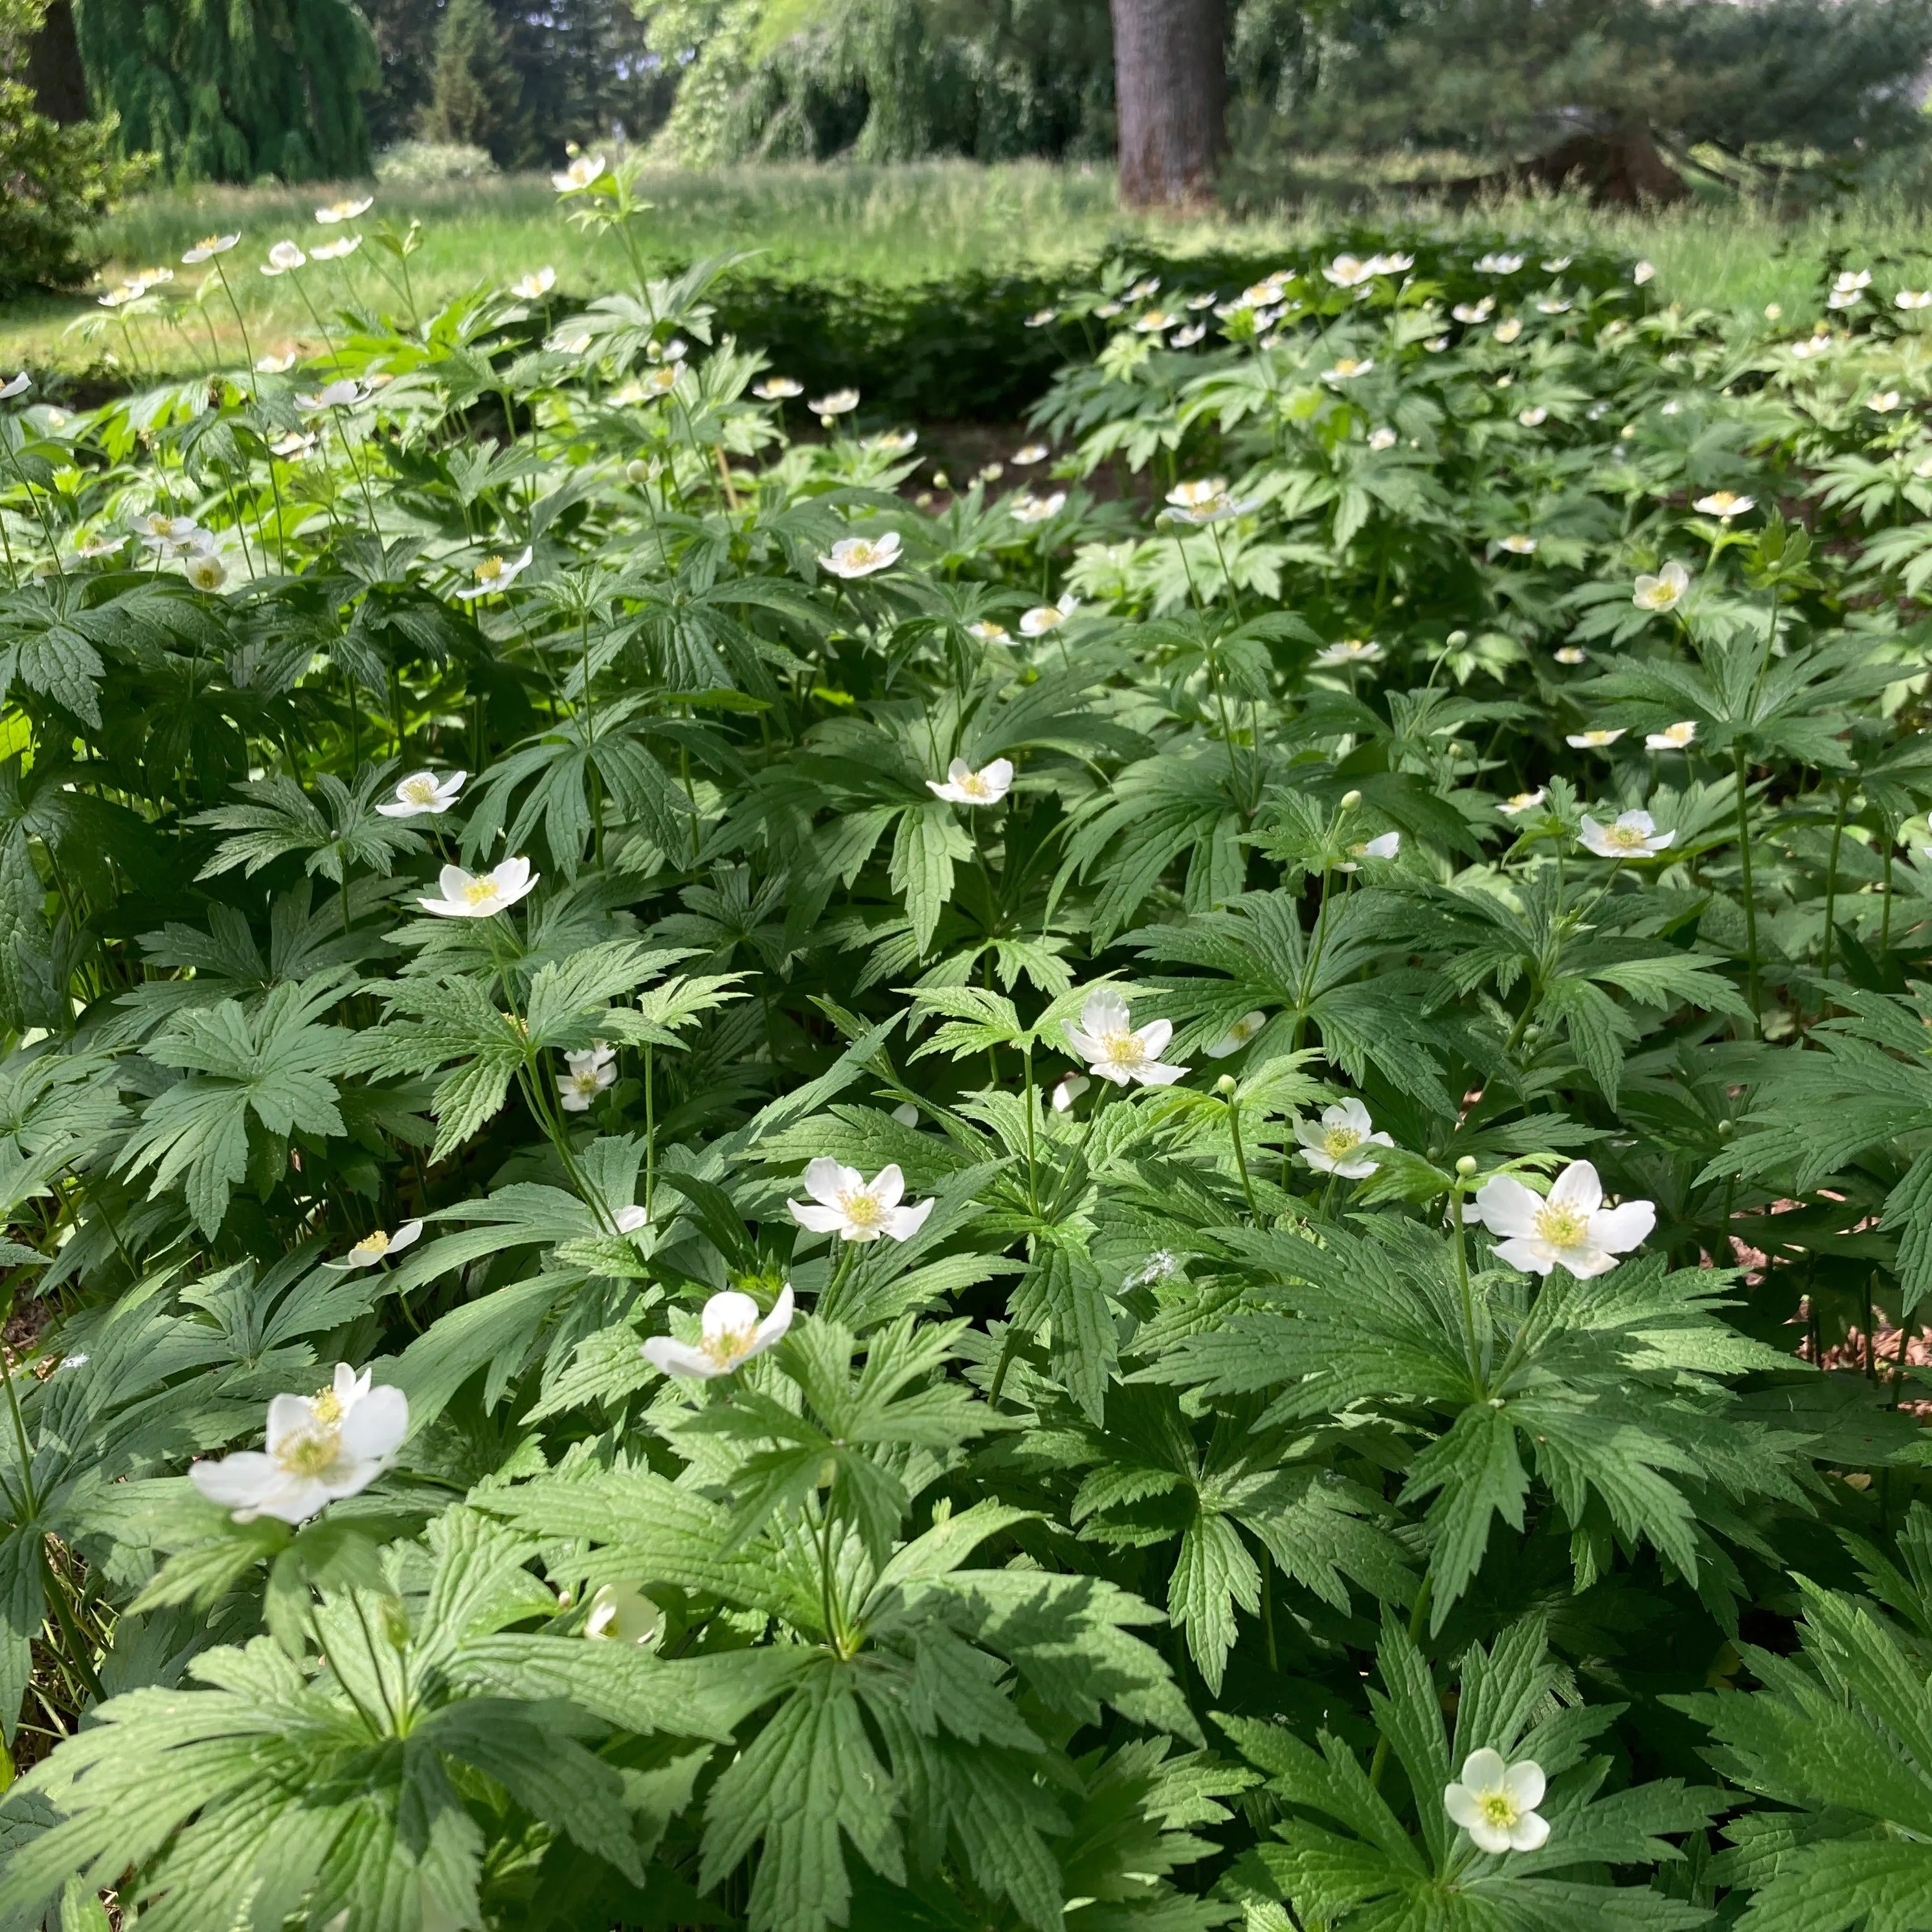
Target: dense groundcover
x=743, y=1192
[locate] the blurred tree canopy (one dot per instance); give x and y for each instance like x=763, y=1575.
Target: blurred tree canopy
x=233, y=90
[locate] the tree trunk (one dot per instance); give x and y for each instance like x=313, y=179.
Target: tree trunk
x=54, y=71
x=1171, y=82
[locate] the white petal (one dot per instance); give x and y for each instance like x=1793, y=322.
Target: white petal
x=774, y=1324
x=376, y=1428
x=1577, y=1186
x=288, y=1415
x=1482, y=1770
x=1459, y=1801
x=827, y=1180
x=240, y=1481
x=889, y=1189
x=1620, y=1229
x=1105, y=1011
x=1349, y=1113
x=729, y=1313
x=1529, y=1255
x=1531, y=1833
x=902, y=1223
x=1507, y=1207
x=1488, y=1837
x=1588, y=1261
x=1525, y=1784
x=819, y=1220
x=1159, y=1075
x=410, y=1232
x=673, y=1358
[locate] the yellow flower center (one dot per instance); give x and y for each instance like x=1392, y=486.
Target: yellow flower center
x=1123, y=1047
x=327, y=1406
x=1561, y=1226
x=377, y=1243
x=862, y=1210
x=974, y=785
x=310, y=1452
x=1498, y=1809
x=1624, y=838
x=479, y=891
x=1338, y=1142
x=419, y=791
x=210, y=243
x=489, y=570
x=729, y=1345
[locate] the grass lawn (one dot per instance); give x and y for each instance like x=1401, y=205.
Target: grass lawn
x=879, y=225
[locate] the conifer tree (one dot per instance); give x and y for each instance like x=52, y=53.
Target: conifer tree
x=233, y=90
x=477, y=95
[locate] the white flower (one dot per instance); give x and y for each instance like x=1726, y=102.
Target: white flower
x=1555, y=264
x=1186, y=338
x=1067, y=1090
x=729, y=1335
x=169, y=536
x=898, y=442
x=1523, y=801
x=840, y=402
x=1570, y=654
x=622, y=1613
x=1382, y=438
x=1844, y=298
x=319, y=1448
x=986, y=631
x=1351, y=651
x=1391, y=264
x=1495, y=1803
x=1913, y=298
x=592, y=1071
x=1630, y=835
x=1044, y=617
x=906, y=1114
x=1336, y=1146
x=1550, y=306
x=205, y=570
x=1107, y=310
x=1475, y=311
x=493, y=575
x=860, y=556
x=1156, y=321
x=1041, y=317
x=478, y=895
x=1147, y=286
x=282, y=257
x=1595, y=740
x=1846, y=279
x=1498, y=265
x=1347, y=368
x=1238, y=1035
x=1385, y=845
x=1571, y=1229
x=1676, y=737
x=208, y=247
x=1197, y=303
x=777, y=388
x=1884, y=402
x=582, y=173
x=535, y=285
x=1350, y=271
x=92, y=549
x=1508, y=329
x=964, y=786
x=291, y=447
x=423, y=792
x=1028, y=509
x=1816, y=345
x=379, y=1246
x=629, y=1220
x=574, y=342
x=1028, y=453
x=343, y=395
x=1115, y=1051
x=1519, y=545
x=1642, y=272
x=275, y=365
x=334, y=251
x=144, y=279
x=1663, y=592
x=1725, y=503
x=18, y=386
x=848, y=1204
x=1533, y=417
x=1206, y=501
x=1436, y=344
x=344, y=211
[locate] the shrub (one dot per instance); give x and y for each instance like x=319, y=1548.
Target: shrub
x=410, y=161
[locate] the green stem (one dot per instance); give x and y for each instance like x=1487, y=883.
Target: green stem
x=1750, y=892
x=1240, y=1157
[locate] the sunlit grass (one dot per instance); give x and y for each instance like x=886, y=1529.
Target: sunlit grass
x=880, y=226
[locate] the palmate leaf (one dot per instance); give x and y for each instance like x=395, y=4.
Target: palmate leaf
x=274, y=1065
x=279, y=819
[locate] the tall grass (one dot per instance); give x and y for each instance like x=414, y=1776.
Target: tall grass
x=883, y=225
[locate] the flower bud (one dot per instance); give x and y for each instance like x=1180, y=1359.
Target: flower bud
x=1350, y=799
x=1225, y=1085
x=1456, y=640
x=1466, y=1165
x=638, y=471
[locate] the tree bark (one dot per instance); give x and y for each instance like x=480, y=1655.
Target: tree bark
x=1171, y=85
x=54, y=71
